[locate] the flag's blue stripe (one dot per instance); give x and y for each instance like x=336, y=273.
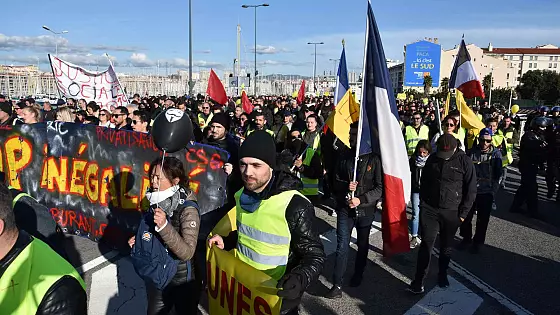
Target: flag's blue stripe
x=342, y=77
x=376, y=74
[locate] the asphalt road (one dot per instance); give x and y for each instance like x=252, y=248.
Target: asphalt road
x=516, y=272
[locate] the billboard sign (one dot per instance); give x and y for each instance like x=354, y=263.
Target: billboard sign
x=423, y=58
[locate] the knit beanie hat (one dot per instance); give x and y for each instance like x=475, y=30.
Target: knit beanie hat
x=259, y=145
x=221, y=119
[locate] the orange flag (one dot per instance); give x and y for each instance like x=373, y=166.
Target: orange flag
x=216, y=89
x=247, y=106
x=301, y=93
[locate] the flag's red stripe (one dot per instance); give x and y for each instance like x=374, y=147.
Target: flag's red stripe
x=472, y=89
x=394, y=222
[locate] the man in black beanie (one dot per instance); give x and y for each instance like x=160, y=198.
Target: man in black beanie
x=275, y=223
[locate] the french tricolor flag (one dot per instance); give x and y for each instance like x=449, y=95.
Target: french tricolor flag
x=380, y=133
x=463, y=76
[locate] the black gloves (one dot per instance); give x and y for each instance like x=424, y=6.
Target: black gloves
x=290, y=286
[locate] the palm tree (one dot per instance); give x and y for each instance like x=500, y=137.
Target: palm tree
x=445, y=85
x=427, y=84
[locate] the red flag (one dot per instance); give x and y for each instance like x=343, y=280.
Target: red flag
x=247, y=106
x=216, y=89
x=301, y=93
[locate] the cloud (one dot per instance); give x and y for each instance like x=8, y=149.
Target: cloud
x=284, y=63
x=269, y=50
x=205, y=51
x=141, y=60
x=48, y=43
x=86, y=61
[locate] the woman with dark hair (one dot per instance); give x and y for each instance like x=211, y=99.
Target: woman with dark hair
x=417, y=162
x=450, y=125
x=177, y=225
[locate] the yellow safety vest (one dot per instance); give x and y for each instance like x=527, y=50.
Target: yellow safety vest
x=507, y=159
x=412, y=137
x=203, y=123
x=28, y=278
x=311, y=185
x=263, y=240
x=250, y=131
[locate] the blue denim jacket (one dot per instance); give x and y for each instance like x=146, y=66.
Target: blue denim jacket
x=488, y=166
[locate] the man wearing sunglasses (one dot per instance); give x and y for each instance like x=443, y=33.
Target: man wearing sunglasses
x=487, y=161
x=140, y=121
x=415, y=132
x=120, y=114
x=205, y=116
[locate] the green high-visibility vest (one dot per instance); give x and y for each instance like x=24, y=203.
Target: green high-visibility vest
x=264, y=236
x=270, y=132
x=507, y=158
x=310, y=185
x=412, y=137
x=203, y=123
x=30, y=275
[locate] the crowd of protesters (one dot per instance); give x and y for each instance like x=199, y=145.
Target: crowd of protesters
x=456, y=173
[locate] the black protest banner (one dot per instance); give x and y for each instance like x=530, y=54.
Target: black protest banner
x=94, y=179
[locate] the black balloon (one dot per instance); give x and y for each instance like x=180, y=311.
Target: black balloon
x=172, y=130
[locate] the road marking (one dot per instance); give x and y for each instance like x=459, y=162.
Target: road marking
x=97, y=261
x=486, y=288
x=457, y=299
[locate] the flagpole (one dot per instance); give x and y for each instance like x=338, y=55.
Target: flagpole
x=361, y=120
x=438, y=117
x=117, y=77
x=460, y=112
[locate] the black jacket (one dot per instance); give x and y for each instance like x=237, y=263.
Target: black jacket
x=369, y=178
x=64, y=297
x=533, y=149
x=449, y=184
x=231, y=145
x=307, y=256
x=415, y=175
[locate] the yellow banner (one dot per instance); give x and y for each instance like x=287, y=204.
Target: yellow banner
x=234, y=287
x=401, y=96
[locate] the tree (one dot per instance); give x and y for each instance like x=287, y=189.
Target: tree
x=486, y=83
x=445, y=85
x=540, y=86
x=428, y=81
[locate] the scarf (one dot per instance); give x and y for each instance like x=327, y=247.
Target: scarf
x=421, y=161
x=168, y=200
x=250, y=201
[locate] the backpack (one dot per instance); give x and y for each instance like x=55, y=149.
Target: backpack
x=150, y=257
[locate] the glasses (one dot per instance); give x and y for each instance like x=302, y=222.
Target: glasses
x=102, y=114
x=205, y=107
x=117, y=115
x=17, y=108
x=417, y=118
x=449, y=125
x=134, y=122
x=488, y=140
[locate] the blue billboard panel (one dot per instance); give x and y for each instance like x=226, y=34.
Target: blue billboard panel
x=422, y=59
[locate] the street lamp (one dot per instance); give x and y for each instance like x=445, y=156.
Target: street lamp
x=246, y=6
x=191, y=83
x=335, y=61
x=55, y=33
x=315, y=65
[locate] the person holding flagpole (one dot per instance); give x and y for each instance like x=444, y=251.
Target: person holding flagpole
x=357, y=190
x=380, y=157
